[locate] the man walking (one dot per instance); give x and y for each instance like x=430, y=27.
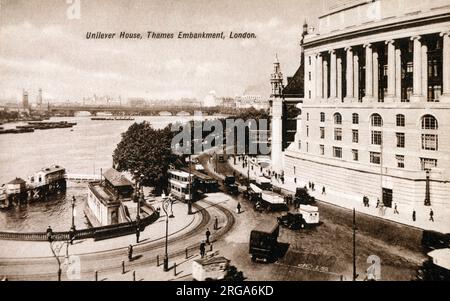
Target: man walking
x=216, y=223
x=323, y=190
x=202, y=249
x=414, y=215
x=130, y=252
x=395, y=209
x=238, y=208
x=431, y=215
x=208, y=234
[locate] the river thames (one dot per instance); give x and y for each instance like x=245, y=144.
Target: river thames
x=84, y=149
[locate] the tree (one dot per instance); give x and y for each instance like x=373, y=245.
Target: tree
x=145, y=151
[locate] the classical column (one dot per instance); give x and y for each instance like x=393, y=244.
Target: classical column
x=319, y=76
x=325, y=79
x=398, y=74
x=349, y=78
x=391, y=69
x=356, y=76
x=445, y=67
x=333, y=93
x=277, y=134
x=369, y=72
x=375, y=76
x=339, y=78
x=417, y=69
x=424, y=66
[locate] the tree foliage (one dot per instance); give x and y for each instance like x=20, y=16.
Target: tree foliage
x=145, y=151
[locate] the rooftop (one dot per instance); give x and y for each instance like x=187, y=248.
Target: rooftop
x=102, y=194
x=52, y=169
x=17, y=181
x=116, y=178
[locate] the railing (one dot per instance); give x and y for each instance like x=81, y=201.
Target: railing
x=95, y=233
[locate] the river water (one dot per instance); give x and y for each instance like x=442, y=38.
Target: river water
x=83, y=149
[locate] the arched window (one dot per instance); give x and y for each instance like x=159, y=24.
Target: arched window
x=322, y=117
x=429, y=123
x=376, y=120
x=400, y=119
x=337, y=118
x=355, y=118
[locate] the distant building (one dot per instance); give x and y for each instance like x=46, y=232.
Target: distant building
x=104, y=202
x=39, y=100
x=252, y=101
x=47, y=175
x=16, y=186
x=211, y=100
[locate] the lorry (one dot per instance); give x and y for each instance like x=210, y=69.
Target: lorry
x=264, y=241
x=230, y=185
x=270, y=200
x=307, y=216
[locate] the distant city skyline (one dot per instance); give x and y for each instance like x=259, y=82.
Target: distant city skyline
x=42, y=48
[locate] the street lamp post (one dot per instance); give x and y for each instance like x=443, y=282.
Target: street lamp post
x=190, y=187
x=165, y=205
x=72, y=228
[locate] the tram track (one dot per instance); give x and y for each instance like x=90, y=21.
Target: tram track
x=148, y=251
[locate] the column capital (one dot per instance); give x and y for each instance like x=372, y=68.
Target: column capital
x=413, y=38
x=367, y=45
x=332, y=51
x=318, y=54
x=444, y=33
x=389, y=42
x=348, y=48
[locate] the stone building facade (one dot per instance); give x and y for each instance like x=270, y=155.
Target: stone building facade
x=375, y=117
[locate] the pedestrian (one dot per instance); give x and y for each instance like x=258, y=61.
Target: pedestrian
x=309, y=184
x=238, y=208
x=378, y=203
x=323, y=190
x=49, y=233
x=202, y=249
x=130, y=252
x=414, y=215
x=312, y=186
x=431, y=215
x=395, y=209
x=207, y=234
x=216, y=223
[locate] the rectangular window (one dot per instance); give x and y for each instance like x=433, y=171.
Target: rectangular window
x=430, y=142
x=309, y=76
x=428, y=164
x=309, y=94
x=338, y=134
x=400, y=161
x=309, y=58
x=355, y=136
x=322, y=117
x=322, y=149
x=337, y=152
x=375, y=158
x=400, y=120
x=400, y=139
x=376, y=138
x=307, y=131
x=307, y=116
x=355, y=155
x=322, y=133
x=299, y=145
x=307, y=147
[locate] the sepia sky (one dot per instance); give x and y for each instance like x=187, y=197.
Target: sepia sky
x=41, y=47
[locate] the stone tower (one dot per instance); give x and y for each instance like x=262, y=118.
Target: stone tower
x=276, y=81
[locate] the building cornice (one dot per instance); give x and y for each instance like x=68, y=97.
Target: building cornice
x=377, y=27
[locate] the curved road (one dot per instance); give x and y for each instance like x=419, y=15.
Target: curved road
x=111, y=261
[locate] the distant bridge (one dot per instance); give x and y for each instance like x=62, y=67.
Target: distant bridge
x=139, y=111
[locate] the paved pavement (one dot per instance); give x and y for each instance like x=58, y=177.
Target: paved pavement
x=154, y=232
x=440, y=224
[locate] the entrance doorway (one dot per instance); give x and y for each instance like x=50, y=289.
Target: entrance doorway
x=387, y=197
